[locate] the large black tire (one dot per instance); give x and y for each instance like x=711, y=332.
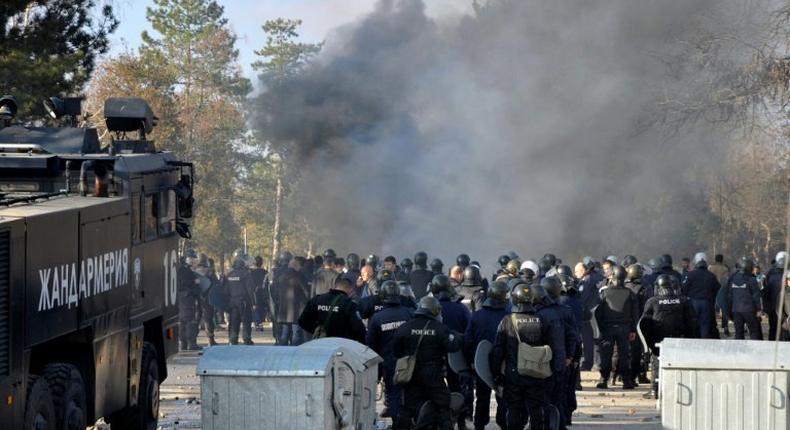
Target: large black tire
x=39, y=408
x=145, y=415
x=68, y=394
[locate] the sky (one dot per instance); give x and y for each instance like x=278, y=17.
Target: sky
x=245, y=18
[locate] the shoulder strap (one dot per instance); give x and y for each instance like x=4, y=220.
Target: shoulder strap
x=329, y=317
x=420, y=340
x=515, y=326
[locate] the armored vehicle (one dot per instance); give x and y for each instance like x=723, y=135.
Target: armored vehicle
x=88, y=259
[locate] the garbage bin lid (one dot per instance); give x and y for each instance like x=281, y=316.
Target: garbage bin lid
x=714, y=354
x=363, y=352
x=244, y=360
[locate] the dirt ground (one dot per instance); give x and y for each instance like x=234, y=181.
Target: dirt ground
x=598, y=409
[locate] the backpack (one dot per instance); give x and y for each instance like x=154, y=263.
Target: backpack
x=404, y=366
x=532, y=361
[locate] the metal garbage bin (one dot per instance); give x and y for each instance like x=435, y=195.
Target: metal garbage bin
x=323, y=384
x=724, y=384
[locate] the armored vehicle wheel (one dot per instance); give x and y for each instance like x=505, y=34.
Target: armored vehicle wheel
x=39, y=408
x=68, y=395
x=144, y=416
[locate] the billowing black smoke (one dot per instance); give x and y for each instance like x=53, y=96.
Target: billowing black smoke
x=526, y=126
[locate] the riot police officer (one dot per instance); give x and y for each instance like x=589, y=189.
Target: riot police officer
x=526, y=397
x=334, y=314
x=352, y=267
x=618, y=315
x=207, y=311
x=463, y=261
x=380, y=337
x=239, y=287
x=772, y=293
x=435, y=341
x=483, y=326
x=471, y=288
x=371, y=303
x=550, y=309
x=669, y=315
x=633, y=281
x=588, y=295
x=188, y=296
x=701, y=286
x=420, y=277
x=406, y=265
x=456, y=317
x=742, y=294
x=258, y=274
x=437, y=266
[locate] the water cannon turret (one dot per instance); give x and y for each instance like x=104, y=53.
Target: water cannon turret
x=58, y=107
x=124, y=114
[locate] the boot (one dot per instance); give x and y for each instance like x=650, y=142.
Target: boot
x=193, y=346
x=249, y=342
x=642, y=379
x=602, y=383
x=628, y=384
x=211, y=341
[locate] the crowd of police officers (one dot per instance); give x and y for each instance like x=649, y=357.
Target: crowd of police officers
x=588, y=315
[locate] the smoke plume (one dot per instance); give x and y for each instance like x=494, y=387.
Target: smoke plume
x=525, y=126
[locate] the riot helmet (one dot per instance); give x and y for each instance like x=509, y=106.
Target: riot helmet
x=352, y=261
x=552, y=285
x=385, y=275
x=329, y=256
x=539, y=294
x=665, y=285
x=190, y=257
x=496, y=296
x=502, y=260
x=665, y=262
x=472, y=277
x=437, y=265
x=430, y=307
x=373, y=260
x=634, y=272
x=202, y=260
x=551, y=259
x=564, y=269
x=589, y=263
x=747, y=265
x=406, y=264
x=390, y=293
x=568, y=283
x=462, y=260
x=628, y=260
x=618, y=276
x=513, y=255
x=700, y=260
x=512, y=267
x=421, y=260
x=612, y=259
x=653, y=264
x=239, y=259
x=544, y=265
x=441, y=284
x=521, y=297
x=781, y=259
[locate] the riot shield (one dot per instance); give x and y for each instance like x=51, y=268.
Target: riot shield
x=203, y=282
x=594, y=322
x=457, y=362
x=482, y=367
x=216, y=298
x=723, y=303
x=646, y=332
